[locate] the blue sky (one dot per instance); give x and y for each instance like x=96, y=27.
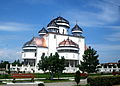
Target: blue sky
x=20, y=20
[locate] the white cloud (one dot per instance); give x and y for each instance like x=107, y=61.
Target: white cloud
x=113, y=37
x=14, y=26
x=109, y=12
x=104, y=13
x=84, y=18
x=117, y=28
x=9, y=37
x=107, y=52
x=113, y=2
x=10, y=54
x=106, y=47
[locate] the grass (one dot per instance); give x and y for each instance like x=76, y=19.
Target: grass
x=54, y=80
x=99, y=74
x=47, y=75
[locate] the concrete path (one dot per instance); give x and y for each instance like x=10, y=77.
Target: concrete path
x=46, y=84
x=70, y=83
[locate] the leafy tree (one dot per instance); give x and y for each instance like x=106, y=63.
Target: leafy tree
x=4, y=63
x=56, y=65
x=53, y=63
x=90, y=61
x=118, y=61
x=17, y=62
x=118, y=64
x=77, y=77
x=81, y=67
x=43, y=63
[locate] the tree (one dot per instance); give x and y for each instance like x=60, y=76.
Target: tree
x=4, y=63
x=90, y=61
x=57, y=65
x=43, y=63
x=118, y=61
x=53, y=63
x=17, y=62
x=118, y=64
x=77, y=77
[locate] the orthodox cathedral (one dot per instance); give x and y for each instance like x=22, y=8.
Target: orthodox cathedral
x=55, y=38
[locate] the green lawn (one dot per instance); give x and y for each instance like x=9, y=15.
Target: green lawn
x=54, y=80
x=47, y=75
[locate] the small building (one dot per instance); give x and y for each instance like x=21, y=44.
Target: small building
x=109, y=67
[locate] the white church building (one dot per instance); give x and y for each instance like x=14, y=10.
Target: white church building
x=54, y=38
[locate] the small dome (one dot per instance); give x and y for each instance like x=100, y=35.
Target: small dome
x=35, y=41
x=68, y=43
x=43, y=30
x=76, y=28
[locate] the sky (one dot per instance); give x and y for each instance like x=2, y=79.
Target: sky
x=20, y=20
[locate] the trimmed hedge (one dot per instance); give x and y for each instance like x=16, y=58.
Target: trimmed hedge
x=104, y=80
x=41, y=84
x=4, y=76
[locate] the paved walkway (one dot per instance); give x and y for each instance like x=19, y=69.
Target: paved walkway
x=46, y=84
x=70, y=83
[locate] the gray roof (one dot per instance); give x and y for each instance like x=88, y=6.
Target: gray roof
x=61, y=20
x=30, y=43
x=58, y=20
x=43, y=30
x=76, y=28
x=52, y=23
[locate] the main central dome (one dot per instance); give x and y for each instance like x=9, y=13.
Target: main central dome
x=60, y=21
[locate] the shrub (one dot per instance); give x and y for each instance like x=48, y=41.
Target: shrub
x=41, y=84
x=77, y=77
x=4, y=76
x=104, y=80
x=13, y=81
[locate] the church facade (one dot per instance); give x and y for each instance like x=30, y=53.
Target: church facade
x=55, y=38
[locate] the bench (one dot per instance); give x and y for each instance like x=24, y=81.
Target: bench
x=23, y=75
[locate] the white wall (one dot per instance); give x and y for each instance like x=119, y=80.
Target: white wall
x=28, y=55
x=61, y=30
